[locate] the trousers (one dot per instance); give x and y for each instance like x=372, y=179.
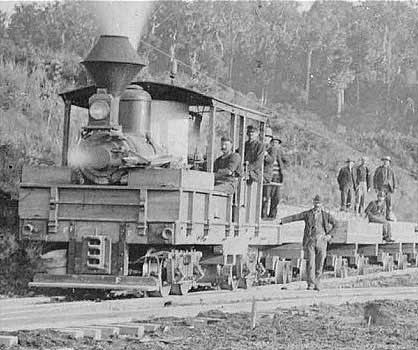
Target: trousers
x=360, y=197
x=388, y=200
x=387, y=233
x=347, y=196
x=271, y=194
x=315, y=251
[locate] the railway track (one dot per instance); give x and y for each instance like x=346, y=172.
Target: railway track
x=40, y=313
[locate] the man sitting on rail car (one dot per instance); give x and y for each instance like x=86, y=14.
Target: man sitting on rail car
x=253, y=154
x=273, y=178
x=227, y=168
x=319, y=225
x=376, y=212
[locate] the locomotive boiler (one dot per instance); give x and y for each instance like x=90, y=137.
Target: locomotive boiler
x=118, y=134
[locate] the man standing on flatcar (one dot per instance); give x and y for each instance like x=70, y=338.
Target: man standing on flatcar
x=273, y=178
x=347, y=182
x=384, y=180
x=253, y=154
x=227, y=168
x=319, y=225
x=363, y=181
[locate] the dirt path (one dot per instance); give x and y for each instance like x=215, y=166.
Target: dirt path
x=34, y=313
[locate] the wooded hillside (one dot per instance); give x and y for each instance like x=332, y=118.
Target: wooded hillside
x=338, y=80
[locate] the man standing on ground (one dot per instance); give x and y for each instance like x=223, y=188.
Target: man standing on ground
x=384, y=181
x=376, y=212
x=363, y=184
x=253, y=154
x=319, y=225
x=273, y=165
x=227, y=168
x=347, y=182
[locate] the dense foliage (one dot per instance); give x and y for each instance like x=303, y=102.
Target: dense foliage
x=339, y=78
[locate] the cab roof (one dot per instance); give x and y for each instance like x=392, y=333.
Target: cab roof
x=159, y=91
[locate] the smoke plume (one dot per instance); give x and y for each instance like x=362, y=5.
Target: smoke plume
x=126, y=18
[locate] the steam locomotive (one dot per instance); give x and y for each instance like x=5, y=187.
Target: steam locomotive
x=129, y=212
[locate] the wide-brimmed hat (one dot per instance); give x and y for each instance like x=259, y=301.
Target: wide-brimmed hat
x=275, y=138
x=225, y=139
x=386, y=158
x=317, y=199
x=251, y=128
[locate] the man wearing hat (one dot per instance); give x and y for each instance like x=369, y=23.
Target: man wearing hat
x=347, y=182
x=363, y=184
x=319, y=225
x=273, y=178
x=376, y=212
x=253, y=154
x=384, y=181
x=227, y=168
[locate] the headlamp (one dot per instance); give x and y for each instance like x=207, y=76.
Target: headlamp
x=99, y=110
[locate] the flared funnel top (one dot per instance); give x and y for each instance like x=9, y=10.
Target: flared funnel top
x=113, y=63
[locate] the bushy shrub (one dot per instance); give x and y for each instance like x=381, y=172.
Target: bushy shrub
x=18, y=263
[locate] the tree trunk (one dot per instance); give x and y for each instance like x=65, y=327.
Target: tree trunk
x=308, y=76
x=358, y=90
x=339, y=103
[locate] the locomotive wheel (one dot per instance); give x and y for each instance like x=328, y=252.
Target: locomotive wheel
x=180, y=288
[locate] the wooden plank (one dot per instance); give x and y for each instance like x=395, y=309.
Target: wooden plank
x=8, y=340
x=101, y=196
x=259, y=195
x=391, y=248
x=292, y=232
x=34, y=203
x=66, y=133
x=368, y=249
x=403, y=231
x=98, y=211
x=346, y=250
x=171, y=178
x=46, y=175
x=287, y=251
x=210, y=158
x=163, y=205
x=357, y=231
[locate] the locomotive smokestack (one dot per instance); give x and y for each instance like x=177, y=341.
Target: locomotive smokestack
x=113, y=63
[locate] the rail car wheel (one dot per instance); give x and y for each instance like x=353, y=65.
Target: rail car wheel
x=180, y=288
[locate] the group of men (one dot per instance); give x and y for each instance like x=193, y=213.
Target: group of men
x=356, y=181
x=228, y=169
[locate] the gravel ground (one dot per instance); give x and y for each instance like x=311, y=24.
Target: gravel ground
x=378, y=325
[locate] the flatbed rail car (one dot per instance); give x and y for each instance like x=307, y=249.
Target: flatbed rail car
x=126, y=214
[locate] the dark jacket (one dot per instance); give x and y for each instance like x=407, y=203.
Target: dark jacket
x=311, y=231
x=384, y=176
x=374, y=210
x=224, y=165
x=273, y=165
x=347, y=178
x=254, y=155
x=363, y=175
